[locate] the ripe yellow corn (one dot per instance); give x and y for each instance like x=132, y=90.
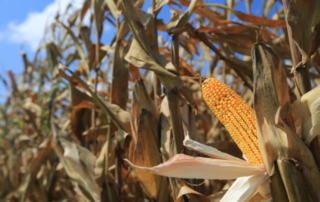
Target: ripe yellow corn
x=235, y=114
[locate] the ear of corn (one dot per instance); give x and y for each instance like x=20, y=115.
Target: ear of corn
x=235, y=114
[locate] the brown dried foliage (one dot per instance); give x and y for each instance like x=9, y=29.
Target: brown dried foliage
x=64, y=133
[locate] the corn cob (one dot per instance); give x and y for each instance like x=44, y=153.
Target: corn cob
x=235, y=114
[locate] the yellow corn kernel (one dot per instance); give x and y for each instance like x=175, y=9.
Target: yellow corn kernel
x=235, y=114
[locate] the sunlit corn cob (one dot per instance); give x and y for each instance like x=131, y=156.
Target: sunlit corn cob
x=235, y=114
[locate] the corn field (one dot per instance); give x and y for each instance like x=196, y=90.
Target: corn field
x=209, y=104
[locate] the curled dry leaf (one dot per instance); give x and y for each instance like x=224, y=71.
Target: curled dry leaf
x=178, y=23
x=143, y=55
x=79, y=164
x=306, y=113
x=139, y=58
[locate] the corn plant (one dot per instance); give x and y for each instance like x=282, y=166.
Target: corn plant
x=112, y=107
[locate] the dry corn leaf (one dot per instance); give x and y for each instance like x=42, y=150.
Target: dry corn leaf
x=189, y=120
x=306, y=113
x=53, y=58
x=303, y=19
x=80, y=119
x=245, y=187
x=214, y=17
x=216, y=197
x=13, y=81
x=187, y=68
x=177, y=23
x=85, y=35
x=79, y=48
x=227, y=147
x=165, y=128
x=188, y=45
x=237, y=29
x=118, y=116
x=230, y=4
x=84, y=9
x=268, y=5
x=207, y=150
x=134, y=72
x=191, y=194
x=315, y=60
x=72, y=19
x=119, y=91
x=98, y=18
x=159, y=4
x=71, y=79
x=251, y=18
x=92, y=55
x=183, y=166
x=174, y=103
x=79, y=164
x=143, y=51
x=144, y=151
x=141, y=100
x=100, y=165
x=113, y=8
x=31, y=172
x=123, y=31
x=139, y=58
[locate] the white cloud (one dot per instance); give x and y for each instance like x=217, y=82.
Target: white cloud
x=31, y=30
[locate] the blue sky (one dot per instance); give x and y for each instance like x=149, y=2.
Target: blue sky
x=22, y=24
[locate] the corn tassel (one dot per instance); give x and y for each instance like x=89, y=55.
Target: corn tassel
x=235, y=114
